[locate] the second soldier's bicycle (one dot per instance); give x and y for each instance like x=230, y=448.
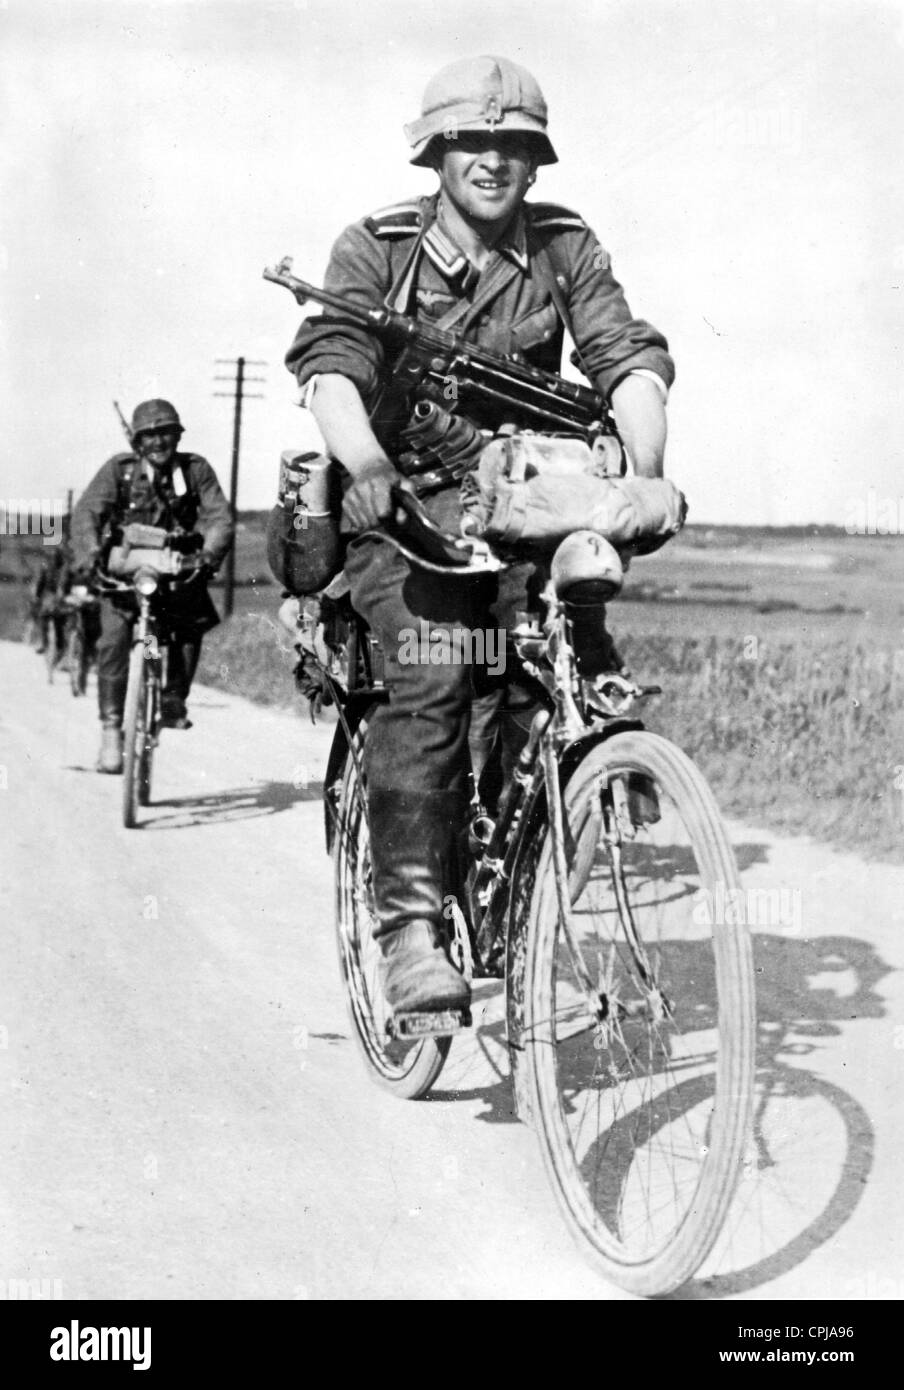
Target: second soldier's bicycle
x=82, y=632
x=152, y=566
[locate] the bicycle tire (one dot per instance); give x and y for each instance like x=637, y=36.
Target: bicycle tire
x=134, y=735
x=75, y=660
x=644, y=1163
x=149, y=742
x=52, y=649
x=406, y=1069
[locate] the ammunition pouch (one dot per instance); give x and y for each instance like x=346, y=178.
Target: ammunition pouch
x=437, y=449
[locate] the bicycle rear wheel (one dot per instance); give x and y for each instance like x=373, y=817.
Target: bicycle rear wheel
x=640, y=1031
x=406, y=1068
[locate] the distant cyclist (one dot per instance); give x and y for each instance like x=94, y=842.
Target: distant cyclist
x=158, y=486
x=47, y=594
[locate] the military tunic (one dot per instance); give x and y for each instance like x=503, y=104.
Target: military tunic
x=402, y=257
x=125, y=489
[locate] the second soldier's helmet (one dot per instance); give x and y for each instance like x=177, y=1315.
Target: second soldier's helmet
x=155, y=415
x=480, y=94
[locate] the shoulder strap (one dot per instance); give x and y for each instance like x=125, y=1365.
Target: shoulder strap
x=405, y=219
x=181, y=476
x=127, y=464
x=553, y=215
x=399, y=220
x=551, y=272
x=551, y=269
x=399, y=297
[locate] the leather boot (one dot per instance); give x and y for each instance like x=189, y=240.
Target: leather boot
x=111, y=695
x=181, y=667
x=416, y=973
x=109, y=759
x=173, y=711
x=414, y=856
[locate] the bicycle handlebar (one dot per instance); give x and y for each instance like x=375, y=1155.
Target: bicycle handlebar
x=193, y=566
x=417, y=536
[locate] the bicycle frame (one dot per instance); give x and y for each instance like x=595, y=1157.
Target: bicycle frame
x=574, y=715
x=147, y=634
x=146, y=682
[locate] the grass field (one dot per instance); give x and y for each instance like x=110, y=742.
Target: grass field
x=781, y=656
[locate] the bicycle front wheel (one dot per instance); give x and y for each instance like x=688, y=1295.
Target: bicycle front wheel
x=407, y=1068
x=135, y=735
x=76, y=660
x=52, y=648
x=640, y=1021
x=151, y=722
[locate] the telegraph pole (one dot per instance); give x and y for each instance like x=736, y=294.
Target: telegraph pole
x=238, y=394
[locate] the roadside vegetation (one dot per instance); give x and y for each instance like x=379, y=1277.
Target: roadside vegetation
x=785, y=685
x=802, y=738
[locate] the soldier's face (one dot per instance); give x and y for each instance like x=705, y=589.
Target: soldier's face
x=158, y=446
x=486, y=175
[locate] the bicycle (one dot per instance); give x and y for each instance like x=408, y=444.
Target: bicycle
x=151, y=562
x=629, y=1004
x=81, y=636
x=52, y=619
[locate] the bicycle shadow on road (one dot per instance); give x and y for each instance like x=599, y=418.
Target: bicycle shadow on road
x=479, y=1055
x=235, y=804
x=812, y=1143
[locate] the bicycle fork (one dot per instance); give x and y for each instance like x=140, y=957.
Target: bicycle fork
x=612, y=822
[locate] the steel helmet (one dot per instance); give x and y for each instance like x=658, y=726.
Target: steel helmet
x=154, y=415
x=481, y=94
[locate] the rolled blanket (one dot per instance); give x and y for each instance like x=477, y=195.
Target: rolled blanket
x=634, y=514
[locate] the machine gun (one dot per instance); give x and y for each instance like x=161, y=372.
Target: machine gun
x=430, y=361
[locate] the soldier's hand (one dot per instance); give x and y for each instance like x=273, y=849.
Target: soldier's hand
x=369, y=499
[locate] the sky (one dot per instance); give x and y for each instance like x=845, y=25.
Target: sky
x=742, y=163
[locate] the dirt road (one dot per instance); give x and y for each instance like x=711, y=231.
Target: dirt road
x=183, y=1113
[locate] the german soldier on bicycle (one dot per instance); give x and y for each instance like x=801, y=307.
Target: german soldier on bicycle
x=510, y=275
x=159, y=486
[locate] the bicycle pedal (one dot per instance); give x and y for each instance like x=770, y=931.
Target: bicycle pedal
x=436, y=1024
